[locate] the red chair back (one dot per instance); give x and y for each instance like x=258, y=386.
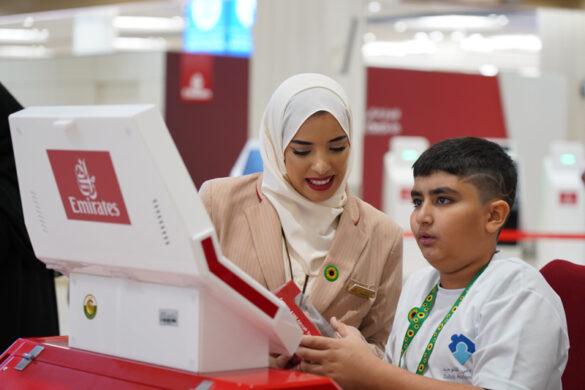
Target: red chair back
x=568, y=281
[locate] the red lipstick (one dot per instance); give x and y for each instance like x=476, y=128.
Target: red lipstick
x=320, y=183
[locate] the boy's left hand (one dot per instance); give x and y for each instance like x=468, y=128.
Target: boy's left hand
x=343, y=359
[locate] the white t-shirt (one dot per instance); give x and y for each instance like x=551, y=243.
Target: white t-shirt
x=509, y=332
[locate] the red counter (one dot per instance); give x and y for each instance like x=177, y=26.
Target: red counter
x=58, y=367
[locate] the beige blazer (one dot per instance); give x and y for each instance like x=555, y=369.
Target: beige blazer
x=366, y=249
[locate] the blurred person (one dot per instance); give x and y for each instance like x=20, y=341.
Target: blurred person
x=27, y=287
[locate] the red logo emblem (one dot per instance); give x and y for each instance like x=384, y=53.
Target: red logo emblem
x=88, y=186
x=196, y=78
x=568, y=198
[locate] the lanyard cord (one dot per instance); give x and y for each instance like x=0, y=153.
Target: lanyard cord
x=290, y=264
x=417, y=317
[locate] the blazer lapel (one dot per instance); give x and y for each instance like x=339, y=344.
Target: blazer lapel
x=264, y=226
x=348, y=243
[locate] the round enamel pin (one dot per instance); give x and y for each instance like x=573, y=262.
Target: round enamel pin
x=331, y=273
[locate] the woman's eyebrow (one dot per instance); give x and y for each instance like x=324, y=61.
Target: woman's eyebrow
x=337, y=139
x=299, y=142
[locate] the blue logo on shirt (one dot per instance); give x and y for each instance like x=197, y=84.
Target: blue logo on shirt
x=462, y=348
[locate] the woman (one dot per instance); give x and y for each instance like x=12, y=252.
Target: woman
x=297, y=219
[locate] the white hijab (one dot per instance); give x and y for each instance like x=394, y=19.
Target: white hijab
x=309, y=227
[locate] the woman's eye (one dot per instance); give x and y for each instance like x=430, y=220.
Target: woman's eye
x=338, y=149
x=301, y=152
x=416, y=202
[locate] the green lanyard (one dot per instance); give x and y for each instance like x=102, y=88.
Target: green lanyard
x=418, y=315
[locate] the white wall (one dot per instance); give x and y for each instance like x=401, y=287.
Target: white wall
x=535, y=109
x=121, y=78
x=563, y=52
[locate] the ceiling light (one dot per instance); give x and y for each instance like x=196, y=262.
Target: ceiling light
x=479, y=43
x=398, y=49
x=25, y=51
x=140, y=44
x=488, y=70
x=374, y=6
x=28, y=22
x=149, y=24
x=22, y=35
x=456, y=22
x=421, y=36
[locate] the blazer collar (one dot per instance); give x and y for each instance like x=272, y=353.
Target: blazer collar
x=347, y=246
x=266, y=233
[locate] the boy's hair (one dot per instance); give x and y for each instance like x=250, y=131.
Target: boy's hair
x=476, y=160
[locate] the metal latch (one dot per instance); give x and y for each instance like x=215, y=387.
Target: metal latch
x=205, y=385
x=29, y=357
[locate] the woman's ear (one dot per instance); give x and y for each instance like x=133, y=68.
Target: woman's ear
x=498, y=212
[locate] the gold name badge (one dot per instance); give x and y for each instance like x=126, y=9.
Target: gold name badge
x=361, y=291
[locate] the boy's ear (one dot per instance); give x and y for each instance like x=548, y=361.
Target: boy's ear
x=498, y=212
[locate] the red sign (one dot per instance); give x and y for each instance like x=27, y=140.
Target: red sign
x=196, y=78
x=434, y=105
x=568, y=198
x=288, y=293
x=88, y=186
x=405, y=193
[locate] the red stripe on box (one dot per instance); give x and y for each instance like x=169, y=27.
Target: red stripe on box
x=234, y=281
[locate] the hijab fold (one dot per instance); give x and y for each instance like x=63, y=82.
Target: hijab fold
x=309, y=227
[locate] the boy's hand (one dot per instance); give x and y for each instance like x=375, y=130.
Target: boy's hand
x=284, y=362
x=346, y=329
x=343, y=359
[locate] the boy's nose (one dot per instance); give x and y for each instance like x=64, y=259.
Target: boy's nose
x=422, y=215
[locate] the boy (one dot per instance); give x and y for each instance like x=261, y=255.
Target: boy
x=474, y=319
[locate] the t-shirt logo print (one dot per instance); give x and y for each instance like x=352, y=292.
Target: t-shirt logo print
x=88, y=186
x=462, y=348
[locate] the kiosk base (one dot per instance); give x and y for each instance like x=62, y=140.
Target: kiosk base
x=49, y=363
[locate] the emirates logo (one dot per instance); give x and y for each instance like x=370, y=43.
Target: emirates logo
x=85, y=182
x=90, y=205
x=75, y=173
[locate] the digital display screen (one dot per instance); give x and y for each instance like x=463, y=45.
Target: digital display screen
x=221, y=27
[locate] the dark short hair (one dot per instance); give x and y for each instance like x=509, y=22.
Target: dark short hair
x=476, y=160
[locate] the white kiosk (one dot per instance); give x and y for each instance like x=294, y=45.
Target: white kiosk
x=396, y=186
x=108, y=201
x=562, y=204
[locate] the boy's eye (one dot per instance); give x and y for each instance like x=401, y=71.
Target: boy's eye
x=443, y=200
x=416, y=202
x=300, y=152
